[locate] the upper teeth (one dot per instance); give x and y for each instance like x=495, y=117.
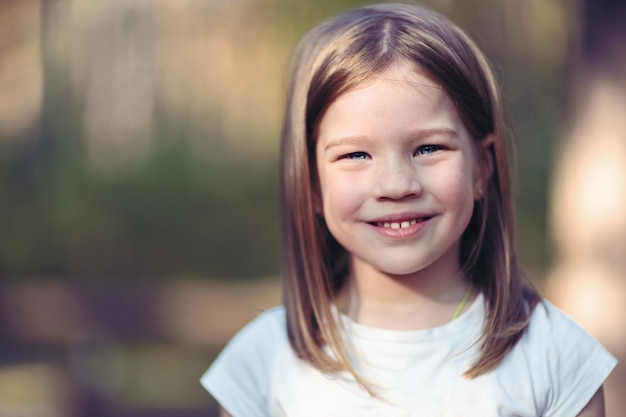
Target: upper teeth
x=399, y=225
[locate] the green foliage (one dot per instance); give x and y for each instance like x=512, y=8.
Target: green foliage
x=177, y=214
x=211, y=210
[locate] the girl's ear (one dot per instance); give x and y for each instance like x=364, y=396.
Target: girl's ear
x=484, y=169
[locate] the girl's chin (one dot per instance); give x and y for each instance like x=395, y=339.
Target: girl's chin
x=399, y=271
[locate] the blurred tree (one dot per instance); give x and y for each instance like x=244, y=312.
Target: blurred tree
x=588, y=212
x=21, y=78
x=155, y=152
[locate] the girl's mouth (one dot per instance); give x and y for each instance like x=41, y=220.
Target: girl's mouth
x=400, y=224
x=397, y=225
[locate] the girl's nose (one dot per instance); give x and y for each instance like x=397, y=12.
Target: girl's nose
x=396, y=179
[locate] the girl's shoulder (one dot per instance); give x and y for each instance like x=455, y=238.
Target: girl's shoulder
x=240, y=378
x=265, y=333
x=268, y=322
x=555, y=336
x=565, y=364
x=552, y=326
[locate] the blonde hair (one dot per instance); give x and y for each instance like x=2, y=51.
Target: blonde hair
x=337, y=56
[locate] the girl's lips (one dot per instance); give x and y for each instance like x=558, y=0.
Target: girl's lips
x=401, y=226
x=397, y=225
x=401, y=219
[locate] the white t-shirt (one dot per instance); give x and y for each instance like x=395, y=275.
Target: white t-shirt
x=554, y=370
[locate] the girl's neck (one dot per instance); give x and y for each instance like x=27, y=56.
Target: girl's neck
x=422, y=300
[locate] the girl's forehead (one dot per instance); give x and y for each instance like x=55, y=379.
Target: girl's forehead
x=412, y=76
x=402, y=76
x=398, y=102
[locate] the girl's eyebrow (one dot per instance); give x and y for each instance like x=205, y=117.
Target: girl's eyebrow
x=348, y=141
x=416, y=134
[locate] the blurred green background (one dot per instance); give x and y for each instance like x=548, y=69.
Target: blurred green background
x=144, y=135
x=138, y=182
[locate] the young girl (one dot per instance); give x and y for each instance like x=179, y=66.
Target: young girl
x=403, y=295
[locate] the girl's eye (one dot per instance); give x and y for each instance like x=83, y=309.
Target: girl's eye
x=356, y=156
x=427, y=149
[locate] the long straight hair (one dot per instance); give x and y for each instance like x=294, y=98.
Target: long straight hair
x=333, y=58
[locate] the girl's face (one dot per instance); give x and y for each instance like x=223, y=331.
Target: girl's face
x=397, y=175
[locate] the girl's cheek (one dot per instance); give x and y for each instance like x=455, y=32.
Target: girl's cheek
x=345, y=191
x=453, y=185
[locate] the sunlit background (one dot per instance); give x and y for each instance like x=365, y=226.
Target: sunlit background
x=138, y=183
